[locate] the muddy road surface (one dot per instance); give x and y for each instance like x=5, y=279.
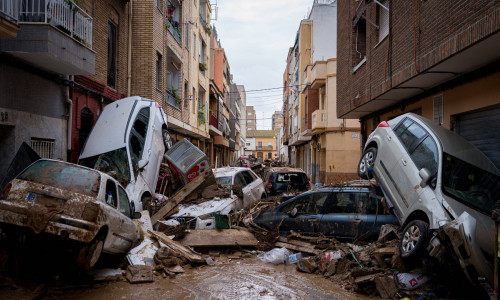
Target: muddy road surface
x=229, y=278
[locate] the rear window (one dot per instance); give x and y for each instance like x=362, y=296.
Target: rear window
x=65, y=176
x=299, y=178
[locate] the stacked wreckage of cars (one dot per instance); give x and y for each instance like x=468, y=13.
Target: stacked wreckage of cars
x=425, y=200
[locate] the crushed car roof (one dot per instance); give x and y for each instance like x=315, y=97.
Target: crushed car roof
x=228, y=171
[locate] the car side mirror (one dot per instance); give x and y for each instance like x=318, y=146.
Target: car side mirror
x=425, y=175
x=293, y=212
x=136, y=215
x=142, y=163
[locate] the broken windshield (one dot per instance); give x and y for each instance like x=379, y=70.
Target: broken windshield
x=469, y=184
x=113, y=162
x=65, y=176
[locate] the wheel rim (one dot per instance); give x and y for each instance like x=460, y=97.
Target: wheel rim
x=366, y=161
x=96, y=253
x=410, y=238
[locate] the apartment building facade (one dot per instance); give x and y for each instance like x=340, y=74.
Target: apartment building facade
x=251, y=118
x=265, y=144
x=439, y=60
x=324, y=146
x=48, y=119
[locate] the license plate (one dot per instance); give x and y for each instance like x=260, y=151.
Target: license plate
x=30, y=197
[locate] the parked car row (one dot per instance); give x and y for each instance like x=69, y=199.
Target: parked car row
x=435, y=180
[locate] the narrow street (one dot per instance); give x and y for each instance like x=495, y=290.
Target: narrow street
x=229, y=278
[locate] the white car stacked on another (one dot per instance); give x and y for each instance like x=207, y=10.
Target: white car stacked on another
x=129, y=140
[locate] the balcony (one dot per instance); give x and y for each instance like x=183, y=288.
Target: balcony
x=9, y=14
x=318, y=75
x=319, y=119
x=214, y=126
x=55, y=36
x=173, y=28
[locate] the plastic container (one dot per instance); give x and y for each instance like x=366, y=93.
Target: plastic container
x=412, y=281
x=221, y=221
x=294, y=258
x=329, y=256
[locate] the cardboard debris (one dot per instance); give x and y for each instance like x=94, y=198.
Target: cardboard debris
x=186, y=252
x=219, y=237
x=139, y=273
x=142, y=254
x=386, y=286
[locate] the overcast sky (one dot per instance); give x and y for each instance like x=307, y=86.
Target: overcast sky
x=256, y=36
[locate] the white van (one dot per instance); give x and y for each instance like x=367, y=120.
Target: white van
x=128, y=141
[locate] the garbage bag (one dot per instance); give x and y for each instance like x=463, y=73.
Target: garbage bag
x=276, y=256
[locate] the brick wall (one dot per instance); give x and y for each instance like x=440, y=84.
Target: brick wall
x=424, y=33
x=312, y=105
x=142, y=48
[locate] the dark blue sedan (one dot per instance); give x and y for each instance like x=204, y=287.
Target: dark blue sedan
x=346, y=213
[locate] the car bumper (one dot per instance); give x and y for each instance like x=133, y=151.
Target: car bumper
x=62, y=226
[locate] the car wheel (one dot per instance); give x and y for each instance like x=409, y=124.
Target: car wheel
x=89, y=254
x=414, y=240
x=367, y=160
x=167, y=139
x=146, y=204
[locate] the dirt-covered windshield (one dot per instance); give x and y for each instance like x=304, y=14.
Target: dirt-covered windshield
x=65, y=176
x=110, y=162
x=469, y=184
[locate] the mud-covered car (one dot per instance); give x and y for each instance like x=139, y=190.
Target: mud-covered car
x=353, y=212
x=71, y=203
x=251, y=185
x=436, y=182
x=286, y=182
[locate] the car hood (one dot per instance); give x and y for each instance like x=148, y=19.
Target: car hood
x=109, y=132
x=223, y=206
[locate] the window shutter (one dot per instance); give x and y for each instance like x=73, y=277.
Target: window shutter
x=438, y=109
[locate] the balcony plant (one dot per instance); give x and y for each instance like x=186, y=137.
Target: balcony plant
x=208, y=29
x=201, y=115
x=203, y=66
x=175, y=93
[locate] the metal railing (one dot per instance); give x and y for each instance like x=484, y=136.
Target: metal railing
x=64, y=14
x=44, y=148
x=9, y=9
x=174, y=30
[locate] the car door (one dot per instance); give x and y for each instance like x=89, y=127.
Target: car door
x=111, y=218
x=370, y=205
x=309, y=209
x=127, y=232
x=420, y=152
x=248, y=198
x=254, y=184
x=342, y=218
x=139, y=149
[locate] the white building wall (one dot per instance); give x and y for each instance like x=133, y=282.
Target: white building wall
x=324, y=33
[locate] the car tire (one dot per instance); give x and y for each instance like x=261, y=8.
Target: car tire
x=167, y=139
x=146, y=204
x=367, y=159
x=414, y=240
x=89, y=254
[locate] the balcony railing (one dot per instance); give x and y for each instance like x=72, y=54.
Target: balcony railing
x=10, y=9
x=172, y=99
x=173, y=27
x=64, y=14
x=318, y=119
x=214, y=121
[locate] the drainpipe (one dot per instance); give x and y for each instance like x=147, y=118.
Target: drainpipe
x=129, y=54
x=70, y=118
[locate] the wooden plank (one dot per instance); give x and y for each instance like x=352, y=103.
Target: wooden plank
x=219, y=237
x=177, y=198
x=295, y=242
x=188, y=253
x=298, y=248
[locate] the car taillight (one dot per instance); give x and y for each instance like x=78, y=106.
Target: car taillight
x=6, y=191
x=269, y=185
x=383, y=124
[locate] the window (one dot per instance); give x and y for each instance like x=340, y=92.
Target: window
x=240, y=180
x=409, y=133
x=248, y=178
x=110, y=196
x=312, y=203
x=269, y=155
x=270, y=145
x=187, y=37
x=124, y=202
x=158, y=70
x=158, y=4
x=260, y=145
x=438, y=109
x=111, y=55
x=194, y=45
x=43, y=147
x=383, y=19
x=425, y=155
